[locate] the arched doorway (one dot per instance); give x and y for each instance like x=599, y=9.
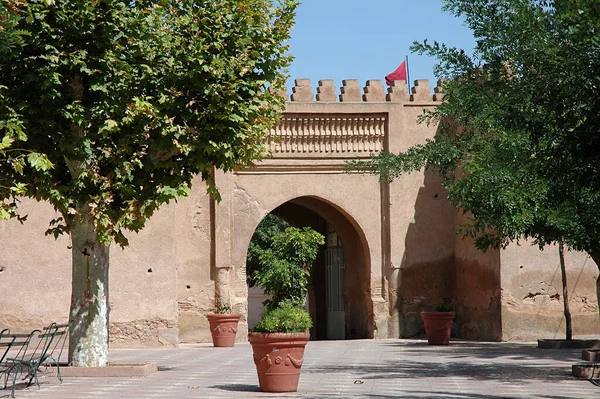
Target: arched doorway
x=339, y=299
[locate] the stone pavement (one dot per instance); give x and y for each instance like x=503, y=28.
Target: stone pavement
x=378, y=369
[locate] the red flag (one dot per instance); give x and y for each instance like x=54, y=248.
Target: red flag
x=398, y=74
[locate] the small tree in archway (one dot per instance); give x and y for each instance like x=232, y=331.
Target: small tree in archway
x=285, y=266
x=279, y=260
x=283, y=275
x=262, y=239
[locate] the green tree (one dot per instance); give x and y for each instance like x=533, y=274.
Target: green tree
x=110, y=108
x=519, y=125
x=262, y=239
x=279, y=260
x=285, y=266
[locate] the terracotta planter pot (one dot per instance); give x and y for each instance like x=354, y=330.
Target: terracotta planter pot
x=438, y=326
x=278, y=358
x=223, y=328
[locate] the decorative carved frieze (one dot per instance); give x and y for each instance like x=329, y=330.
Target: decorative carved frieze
x=328, y=135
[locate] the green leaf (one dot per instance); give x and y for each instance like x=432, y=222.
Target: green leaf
x=4, y=214
x=39, y=161
x=6, y=142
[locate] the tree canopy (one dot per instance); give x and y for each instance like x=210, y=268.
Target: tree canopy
x=285, y=266
x=109, y=109
x=518, y=127
x=280, y=258
x=119, y=104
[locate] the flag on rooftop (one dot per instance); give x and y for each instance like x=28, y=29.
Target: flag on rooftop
x=398, y=74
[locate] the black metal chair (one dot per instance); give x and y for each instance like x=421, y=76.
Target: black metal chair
x=36, y=349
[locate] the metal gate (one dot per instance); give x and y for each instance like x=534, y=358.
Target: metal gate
x=336, y=325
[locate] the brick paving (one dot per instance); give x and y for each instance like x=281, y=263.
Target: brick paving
x=378, y=369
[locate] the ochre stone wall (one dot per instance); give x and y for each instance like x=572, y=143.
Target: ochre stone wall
x=422, y=242
x=36, y=279
x=195, y=288
x=477, y=291
x=402, y=251
x=532, y=293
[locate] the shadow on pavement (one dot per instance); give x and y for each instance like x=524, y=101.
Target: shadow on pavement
x=237, y=387
x=451, y=395
x=513, y=373
x=487, y=350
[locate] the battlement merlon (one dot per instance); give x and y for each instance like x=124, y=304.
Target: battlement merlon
x=374, y=91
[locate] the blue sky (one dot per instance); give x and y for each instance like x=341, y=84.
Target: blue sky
x=367, y=39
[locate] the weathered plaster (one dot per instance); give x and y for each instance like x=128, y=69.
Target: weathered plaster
x=532, y=301
x=402, y=251
x=144, y=333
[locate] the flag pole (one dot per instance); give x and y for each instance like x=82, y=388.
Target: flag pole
x=408, y=76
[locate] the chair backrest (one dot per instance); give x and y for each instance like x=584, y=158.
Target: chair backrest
x=51, y=342
x=6, y=342
x=19, y=345
x=57, y=334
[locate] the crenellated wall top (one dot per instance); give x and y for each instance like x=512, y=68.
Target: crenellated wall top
x=374, y=91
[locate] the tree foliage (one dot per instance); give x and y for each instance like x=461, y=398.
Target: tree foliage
x=518, y=137
x=279, y=260
x=262, y=240
x=287, y=318
x=285, y=266
x=109, y=108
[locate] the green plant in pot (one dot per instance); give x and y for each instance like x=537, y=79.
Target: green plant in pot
x=278, y=340
x=223, y=325
x=438, y=323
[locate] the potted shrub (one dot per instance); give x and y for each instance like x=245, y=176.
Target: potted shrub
x=438, y=323
x=278, y=340
x=223, y=326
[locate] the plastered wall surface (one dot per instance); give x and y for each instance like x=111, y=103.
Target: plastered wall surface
x=402, y=251
x=36, y=279
x=195, y=288
x=422, y=244
x=532, y=293
x=477, y=291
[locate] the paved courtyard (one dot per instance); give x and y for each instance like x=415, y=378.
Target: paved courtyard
x=343, y=369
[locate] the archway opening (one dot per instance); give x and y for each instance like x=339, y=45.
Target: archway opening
x=339, y=298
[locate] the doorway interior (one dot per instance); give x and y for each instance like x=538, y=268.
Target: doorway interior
x=338, y=299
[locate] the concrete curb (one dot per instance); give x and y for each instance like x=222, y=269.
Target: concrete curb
x=125, y=370
x=564, y=344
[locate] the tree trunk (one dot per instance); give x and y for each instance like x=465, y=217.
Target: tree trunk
x=596, y=258
x=563, y=270
x=88, y=337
